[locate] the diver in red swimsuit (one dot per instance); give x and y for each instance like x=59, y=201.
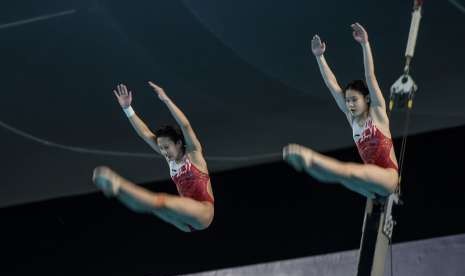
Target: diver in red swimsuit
x=365, y=109
x=193, y=209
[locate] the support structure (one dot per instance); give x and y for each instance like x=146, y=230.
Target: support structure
x=378, y=224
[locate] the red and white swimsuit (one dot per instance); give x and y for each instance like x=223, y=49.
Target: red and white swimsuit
x=189, y=180
x=373, y=146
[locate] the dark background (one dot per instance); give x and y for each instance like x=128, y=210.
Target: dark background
x=243, y=73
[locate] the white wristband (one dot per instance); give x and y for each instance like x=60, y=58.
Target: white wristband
x=129, y=111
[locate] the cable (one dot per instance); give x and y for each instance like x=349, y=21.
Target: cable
x=402, y=94
x=47, y=143
x=459, y=6
x=35, y=19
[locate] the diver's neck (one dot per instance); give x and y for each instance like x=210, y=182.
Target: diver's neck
x=361, y=119
x=179, y=159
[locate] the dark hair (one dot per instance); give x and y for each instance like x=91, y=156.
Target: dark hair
x=172, y=132
x=358, y=85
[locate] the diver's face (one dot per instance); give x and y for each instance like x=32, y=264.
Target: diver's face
x=170, y=149
x=356, y=103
